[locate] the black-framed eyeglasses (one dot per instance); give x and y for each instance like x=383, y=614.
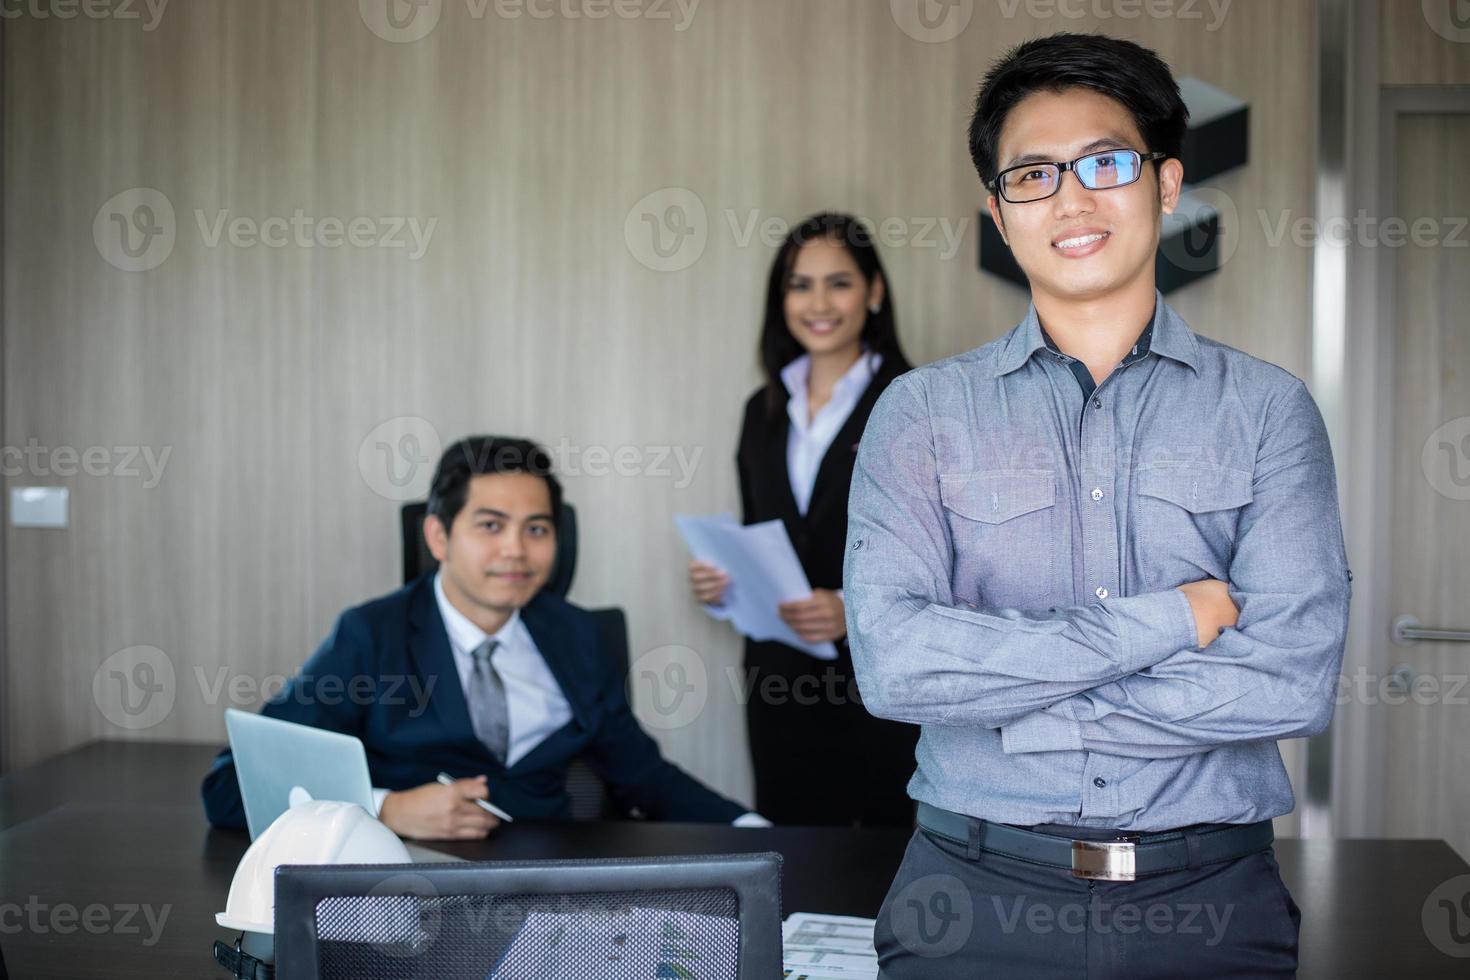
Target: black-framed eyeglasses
x=1102, y=170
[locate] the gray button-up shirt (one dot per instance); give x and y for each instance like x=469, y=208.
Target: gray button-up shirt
x=1014, y=552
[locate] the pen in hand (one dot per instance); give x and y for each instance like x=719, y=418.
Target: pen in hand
x=444, y=779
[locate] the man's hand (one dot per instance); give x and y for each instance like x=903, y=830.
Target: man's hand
x=1212, y=606
x=820, y=619
x=435, y=812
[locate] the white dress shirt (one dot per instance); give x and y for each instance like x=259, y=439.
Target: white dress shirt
x=533, y=698
x=809, y=439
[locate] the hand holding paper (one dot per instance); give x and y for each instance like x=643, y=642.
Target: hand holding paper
x=707, y=582
x=764, y=572
x=819, y=619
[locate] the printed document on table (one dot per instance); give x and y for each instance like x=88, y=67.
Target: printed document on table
x=764, y=572
x=828, y=947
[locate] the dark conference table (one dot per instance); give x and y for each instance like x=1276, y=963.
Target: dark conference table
x=106, y=849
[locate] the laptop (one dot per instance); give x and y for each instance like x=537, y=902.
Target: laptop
x=280, y=763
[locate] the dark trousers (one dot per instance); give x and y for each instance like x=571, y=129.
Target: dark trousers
x=818, y=756
x=957, y=913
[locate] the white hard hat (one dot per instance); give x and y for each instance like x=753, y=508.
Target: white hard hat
x=313, y=832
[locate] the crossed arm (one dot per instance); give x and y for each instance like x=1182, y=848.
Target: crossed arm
x=1135, y=676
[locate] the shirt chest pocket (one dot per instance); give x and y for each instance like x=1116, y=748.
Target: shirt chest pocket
x=1187, y=516
x=1003, y=527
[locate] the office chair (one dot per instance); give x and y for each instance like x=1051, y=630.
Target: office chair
x=715, y=917
x=589, y=794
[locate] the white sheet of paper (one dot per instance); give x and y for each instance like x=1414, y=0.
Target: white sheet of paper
x=764, y=572
x=703, y=545
x=828, y=947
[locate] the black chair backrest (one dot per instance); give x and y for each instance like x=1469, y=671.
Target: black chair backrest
x=717, y=917
x=591, y=799
x=418, y=559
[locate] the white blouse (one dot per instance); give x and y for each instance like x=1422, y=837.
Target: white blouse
x=808, y=440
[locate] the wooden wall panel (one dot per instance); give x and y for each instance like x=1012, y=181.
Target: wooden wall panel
x=1424, y=794
x=532, y=310
x=1423, y=43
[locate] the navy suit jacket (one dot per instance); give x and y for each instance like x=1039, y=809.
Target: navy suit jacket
x=409, y=710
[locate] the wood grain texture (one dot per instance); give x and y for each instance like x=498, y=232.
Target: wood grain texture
x=1429, y=726
x=1423, y=43
x=529, y=141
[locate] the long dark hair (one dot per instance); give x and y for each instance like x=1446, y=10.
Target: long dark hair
x=880, y=332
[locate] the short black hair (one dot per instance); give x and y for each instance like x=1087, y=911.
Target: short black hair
x=1126, y=72
x=479, y=455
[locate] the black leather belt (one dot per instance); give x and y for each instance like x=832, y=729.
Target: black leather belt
x=1123, y=859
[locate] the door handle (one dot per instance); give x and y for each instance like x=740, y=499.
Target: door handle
x=1406, y=631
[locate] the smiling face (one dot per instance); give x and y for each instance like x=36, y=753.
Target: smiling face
x=500, y=548
x=827, y=298
x=1080, y=244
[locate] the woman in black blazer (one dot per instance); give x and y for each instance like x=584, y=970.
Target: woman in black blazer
x=829, y=347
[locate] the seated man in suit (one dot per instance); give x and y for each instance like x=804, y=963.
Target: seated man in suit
x=513, y=677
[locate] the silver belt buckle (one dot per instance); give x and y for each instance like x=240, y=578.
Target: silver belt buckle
x=1103, y=860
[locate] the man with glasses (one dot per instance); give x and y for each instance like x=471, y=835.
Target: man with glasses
x=1100, y=562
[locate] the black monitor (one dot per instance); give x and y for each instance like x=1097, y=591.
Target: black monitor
x=715, y=917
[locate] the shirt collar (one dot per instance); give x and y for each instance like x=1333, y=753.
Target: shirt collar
x=1141, y=347
x=1171, y=338
x=794, y=375
x=464, y=636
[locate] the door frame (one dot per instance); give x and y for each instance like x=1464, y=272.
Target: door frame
x=5, y=503
x=1365, y=417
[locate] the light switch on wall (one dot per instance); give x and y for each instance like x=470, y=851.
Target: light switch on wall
x=38, y=506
